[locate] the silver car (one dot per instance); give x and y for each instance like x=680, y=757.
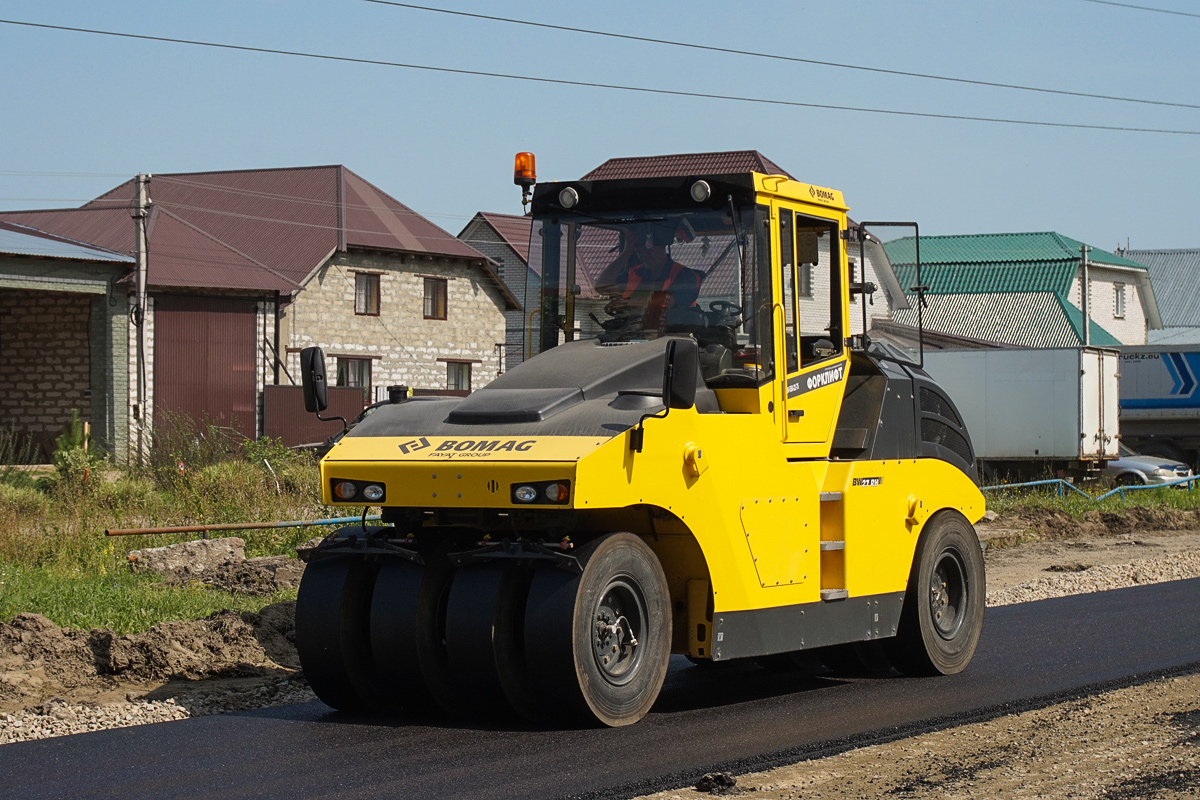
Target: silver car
x=1132, y=469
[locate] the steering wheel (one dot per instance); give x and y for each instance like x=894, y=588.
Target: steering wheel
x=724, y=305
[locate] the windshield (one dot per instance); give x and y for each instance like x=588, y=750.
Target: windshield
x=633, y=276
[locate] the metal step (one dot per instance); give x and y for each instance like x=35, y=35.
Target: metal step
x=830, y=497
x=834, y=594
x=833, y=545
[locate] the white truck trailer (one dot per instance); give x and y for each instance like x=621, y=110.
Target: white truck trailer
x=1033, y=411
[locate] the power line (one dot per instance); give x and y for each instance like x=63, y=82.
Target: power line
x=1144, y=8
x=41, y=174
x=617, y=87
x=778, y=57
x=293, y=198
x=171, y=205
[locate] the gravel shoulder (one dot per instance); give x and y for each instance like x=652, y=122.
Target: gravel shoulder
x=1132, y=743
x=56, y=681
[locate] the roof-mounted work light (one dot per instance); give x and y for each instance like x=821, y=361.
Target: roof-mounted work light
x=524, y=175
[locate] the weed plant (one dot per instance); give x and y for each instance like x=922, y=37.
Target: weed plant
x=56, y=560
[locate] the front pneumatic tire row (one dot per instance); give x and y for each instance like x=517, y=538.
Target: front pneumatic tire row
x=537, y=642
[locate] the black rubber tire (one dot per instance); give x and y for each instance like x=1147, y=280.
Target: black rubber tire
x=858, y=659
x=941, y=622
x=394, y=635
x=433, y=596
x=485, y=624
x=332, y=632
x=622, y=580
x=1129, y=479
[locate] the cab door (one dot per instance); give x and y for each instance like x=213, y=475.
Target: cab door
x=813, y=310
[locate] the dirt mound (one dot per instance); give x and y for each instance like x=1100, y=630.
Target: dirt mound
x=1049, y=524
x=38, y=659
x=259, y=576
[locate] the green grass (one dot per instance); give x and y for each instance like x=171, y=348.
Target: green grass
x=122, y=601
x=1010, y=501
x=56, y=561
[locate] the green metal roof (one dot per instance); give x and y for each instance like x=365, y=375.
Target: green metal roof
x=1097, y=336
x=988, y=278
x=1007, y=287
x=1007, y=249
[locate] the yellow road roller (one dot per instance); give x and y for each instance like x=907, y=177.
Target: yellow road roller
x=697, y=456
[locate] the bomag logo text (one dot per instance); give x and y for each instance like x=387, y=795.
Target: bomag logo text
x=821, y=194
x=480, y=448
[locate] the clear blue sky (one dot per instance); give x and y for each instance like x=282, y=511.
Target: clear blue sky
x=443, y=144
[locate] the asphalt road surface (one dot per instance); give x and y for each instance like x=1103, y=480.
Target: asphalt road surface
x=716, y=717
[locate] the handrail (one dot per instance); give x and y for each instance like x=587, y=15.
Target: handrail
x=1059, y=484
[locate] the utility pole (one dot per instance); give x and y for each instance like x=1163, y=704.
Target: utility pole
x=141, y=210
x=1084, y=291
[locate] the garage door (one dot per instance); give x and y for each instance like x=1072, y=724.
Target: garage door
x=204, y=359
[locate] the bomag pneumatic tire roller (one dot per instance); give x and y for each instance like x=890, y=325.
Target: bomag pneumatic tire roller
x=696, y=457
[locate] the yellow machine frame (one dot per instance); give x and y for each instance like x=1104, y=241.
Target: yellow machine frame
x=757, y=529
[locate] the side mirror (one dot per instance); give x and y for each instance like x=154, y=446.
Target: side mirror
x=681, y=373
x=312, y=377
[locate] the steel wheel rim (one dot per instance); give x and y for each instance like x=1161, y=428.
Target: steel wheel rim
x=619, y=630
x=948, y=594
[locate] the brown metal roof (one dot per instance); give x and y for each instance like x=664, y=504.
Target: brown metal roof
x=683, y=164
x=514, y=230
x=255, y=229
x=182, y=255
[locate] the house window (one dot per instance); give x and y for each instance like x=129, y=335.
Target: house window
x=804, y=286
x=435, y=298
x=366, y=293
x=1119, y=300
x=458, y=376
x=355, y=372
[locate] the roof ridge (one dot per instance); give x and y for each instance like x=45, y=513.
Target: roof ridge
x=406, y=208
x=227, y=246
x=241, y=171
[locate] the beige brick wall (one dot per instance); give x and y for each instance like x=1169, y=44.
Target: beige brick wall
x=47, y=365
x=403, y=346
x=1130, y=329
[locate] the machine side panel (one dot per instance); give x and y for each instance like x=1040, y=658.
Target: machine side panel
x=782, y=629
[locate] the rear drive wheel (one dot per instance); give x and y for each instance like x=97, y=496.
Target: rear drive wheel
x=600, y=642
x=943, y=607
x=332, y=631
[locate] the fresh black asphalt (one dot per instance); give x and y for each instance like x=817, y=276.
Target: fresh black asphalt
x=736, y=717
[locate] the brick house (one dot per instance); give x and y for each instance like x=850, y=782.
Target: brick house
x=248, y=267
x=63, y=321
x=504, y=238
x=1025, y=289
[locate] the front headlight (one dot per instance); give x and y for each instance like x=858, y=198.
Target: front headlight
x=1163, y=472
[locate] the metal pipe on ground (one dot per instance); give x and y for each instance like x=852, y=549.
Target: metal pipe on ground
x=238, y=526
